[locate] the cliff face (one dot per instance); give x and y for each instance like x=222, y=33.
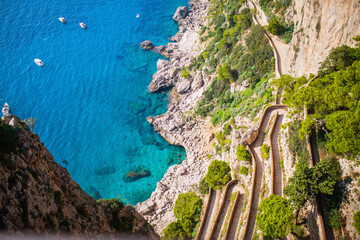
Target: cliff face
x=319, y=26
x=39, y=196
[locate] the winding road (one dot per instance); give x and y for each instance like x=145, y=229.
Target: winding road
x=207, y=219
x=235, y=218
x=220, y=219
x=258, y=172
x=276, y=183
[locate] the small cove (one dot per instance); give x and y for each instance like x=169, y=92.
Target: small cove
x=90, y=99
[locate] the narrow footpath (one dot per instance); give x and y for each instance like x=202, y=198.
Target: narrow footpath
x=235, y=218
x=325, y=231
x=209, y=214
x=276, y=170
x=220, y=219
x=258, y=169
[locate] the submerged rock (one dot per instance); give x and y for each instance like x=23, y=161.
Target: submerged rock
x=136, y=174
x=105, y=170
x=147, y=45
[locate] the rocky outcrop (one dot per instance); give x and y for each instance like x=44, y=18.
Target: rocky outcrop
x=181, y=13
x=147, y=45
x=38, y=196
x=178, y=126
x=161, y=63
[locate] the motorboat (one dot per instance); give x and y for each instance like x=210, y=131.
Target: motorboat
x=6, y=110
x=38, y=62
x=83, y=25
x=61, y=19
x=138, y=16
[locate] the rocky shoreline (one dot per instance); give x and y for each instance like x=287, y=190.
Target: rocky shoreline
x=176, y=126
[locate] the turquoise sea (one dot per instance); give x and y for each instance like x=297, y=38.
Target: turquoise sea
x=90, y=98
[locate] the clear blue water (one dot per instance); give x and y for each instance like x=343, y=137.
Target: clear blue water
x=90, y=99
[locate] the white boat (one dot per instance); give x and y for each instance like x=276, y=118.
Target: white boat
x=38, y=62
x=82, y=25
x=6, y=110
x=61, y=19
x=138, y=15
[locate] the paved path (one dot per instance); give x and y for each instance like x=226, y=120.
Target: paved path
x=235, y=219
x=277, y=188
x=220, y=219
x=211, y=205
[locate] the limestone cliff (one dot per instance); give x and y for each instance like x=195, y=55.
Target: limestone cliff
x=319, y=26
x=38, y=196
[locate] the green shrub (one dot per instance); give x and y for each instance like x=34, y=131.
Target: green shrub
x=335, y=219
x=187, y=212
x=243, y=154
x=174, y=231
x=243, y=170
x=187, y=206
x=274, y=26
x=203, y=187
x=227, y=129
x=185, y=74
x=356, y=219
x=265, y=149
x=218, y=174
x=113, y=203
x=275, y=218
x=297, y=147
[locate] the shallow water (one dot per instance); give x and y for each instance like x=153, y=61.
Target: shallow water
x=90, y=98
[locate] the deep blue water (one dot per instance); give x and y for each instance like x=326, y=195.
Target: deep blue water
x=90, y=98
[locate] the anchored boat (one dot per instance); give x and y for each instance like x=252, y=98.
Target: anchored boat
x=83, y=25
x=6, y=110
x=61, y=19
x=38, y=62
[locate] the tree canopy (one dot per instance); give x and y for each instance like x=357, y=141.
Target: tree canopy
x=218, y=174
x=274, y=26
x=307, y=182
x=187, y=212
x=275, y=218
x=334, y=99
x=187, y=205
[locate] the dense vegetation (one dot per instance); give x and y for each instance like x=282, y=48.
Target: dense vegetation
x=308, y=182
x=218, y=174
x=187, y=212
x=235, y=63
x=333, y=99
x=275, y=11
x=275, y=218
x=297, y=146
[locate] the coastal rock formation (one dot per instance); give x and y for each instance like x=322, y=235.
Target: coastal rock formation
x=181, y=13
x=38, y=196
x=178, y=128
x=147, y=45
x=161, y=63
x=319, y=26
